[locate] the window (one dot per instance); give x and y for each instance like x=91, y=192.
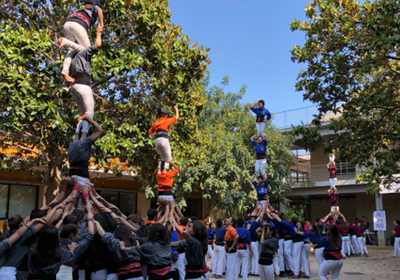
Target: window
x=17, y=199
x=125, y=201
x=194, y=208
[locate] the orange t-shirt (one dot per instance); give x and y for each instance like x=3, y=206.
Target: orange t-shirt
x=166, y=179
x=150, y=222
x=162, y=123
x=180, y=236
x=230, y=233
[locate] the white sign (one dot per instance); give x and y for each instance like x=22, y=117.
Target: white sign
x=379, y=220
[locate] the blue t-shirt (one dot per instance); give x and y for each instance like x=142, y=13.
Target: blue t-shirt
x=210, y=233
x=253, y=228
x=174, y=238
x=244, y=234
x=220, y=233
x=261, y=112
x=262, y=190
x=260, y=148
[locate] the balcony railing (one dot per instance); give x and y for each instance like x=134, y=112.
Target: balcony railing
x=311, y=173
x=286, y=119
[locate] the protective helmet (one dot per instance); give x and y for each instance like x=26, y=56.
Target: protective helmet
x=262, y=101
x=163, y=110
x=94, y=2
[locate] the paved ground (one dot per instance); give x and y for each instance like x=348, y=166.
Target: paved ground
x=378, y=266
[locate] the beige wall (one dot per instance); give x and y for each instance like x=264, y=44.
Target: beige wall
x=321, y=208
x=143, y=205
x=391, y=203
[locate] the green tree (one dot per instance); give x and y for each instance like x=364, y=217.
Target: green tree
x=223, y=176
x=352, y=57
x=145, y=62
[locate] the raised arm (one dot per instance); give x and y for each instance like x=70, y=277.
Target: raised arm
x=99, y=31
x=21, y=231
x=253, y=177
x=173, y=164
x=252, y=137
x=100, y=16
x=252, y=106
x=98, y=131
x=176, y=112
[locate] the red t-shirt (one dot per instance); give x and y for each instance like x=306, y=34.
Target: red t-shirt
x=334, y=199
x=332, y=172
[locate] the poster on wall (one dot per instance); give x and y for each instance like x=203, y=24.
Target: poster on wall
x=379, y=220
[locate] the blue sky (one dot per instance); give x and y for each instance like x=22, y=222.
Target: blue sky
x=250, y=42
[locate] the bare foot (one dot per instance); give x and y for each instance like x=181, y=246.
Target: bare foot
x=68, y=79
x=62, y=43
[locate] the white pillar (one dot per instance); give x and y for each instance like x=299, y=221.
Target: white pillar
x=381, y=233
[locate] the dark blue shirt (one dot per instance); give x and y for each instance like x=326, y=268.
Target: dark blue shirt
x=174, y=237
x=220, y=233
x=260, y=148
x=290, y=227
x=261, y=112
x=312, y=236
x=210, y=233
x=262, y=190
x=326, y=243
x=253, y=228
x=244, y=234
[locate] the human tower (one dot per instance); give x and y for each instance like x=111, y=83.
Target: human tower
x=80, y=235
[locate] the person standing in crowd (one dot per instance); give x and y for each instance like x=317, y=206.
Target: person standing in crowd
x=344, y=232
x=263, y=115
x=253, y=226
x=243, y=249
x=333, y=258
x=260, y=147
x=332, y=175
x=159, y=131
x=220, y=253
x=269, y=245
x=183, y=222
x=211, y=238
x=76, y=30
x=156, y=252
x=195, y=243
x=231, y=238
x=361, y=239
x=396, y=233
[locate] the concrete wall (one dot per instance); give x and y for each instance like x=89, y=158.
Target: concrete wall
x=320, y=208
x=391, y=204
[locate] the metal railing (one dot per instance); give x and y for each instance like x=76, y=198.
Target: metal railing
x=310, y=173
x=286, y=119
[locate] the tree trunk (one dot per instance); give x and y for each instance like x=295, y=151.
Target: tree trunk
x=54, y=180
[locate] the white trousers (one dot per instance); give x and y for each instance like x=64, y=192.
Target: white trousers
x=163, y=148
x=220, y=255
x=65, y=273
x=332, y=181
x=114, y=276
x=355, y=244
x=230, y=266
x=362, y=245
x=330, y=266
x=266, y=272
x=346, y=246
x=260, y=166
x=305, y=263
x=287, y=252
x=275, y=262
x=280, y=253
x=319, y=256
x=76, y=33
x=210, y=253
x=242, y=260
x=254, y=257
x=83, y=96
x=296, y=255
x=207, y=275
x=396, y=246
x=99, y=275
x=181, y=265
x=260, y=126
x=8, y=273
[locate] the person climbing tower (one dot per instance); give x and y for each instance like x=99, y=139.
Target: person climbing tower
x=263, y=115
